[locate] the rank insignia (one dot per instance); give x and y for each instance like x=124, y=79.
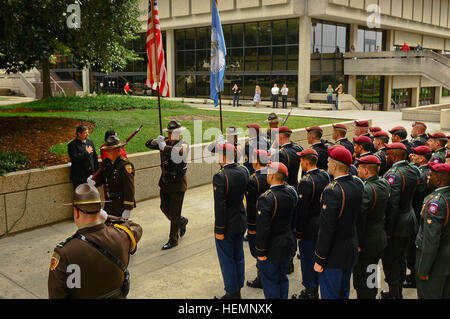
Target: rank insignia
x=391, y=179
x=300, y=196
x=54, y=262
x=433, y=208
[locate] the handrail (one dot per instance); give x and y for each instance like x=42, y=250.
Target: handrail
x=56, y=83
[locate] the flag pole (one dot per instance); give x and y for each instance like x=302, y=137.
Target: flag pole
x=220, y=108
x=156, y=66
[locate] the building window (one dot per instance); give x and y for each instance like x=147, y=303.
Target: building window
x=258, y=53
x=426, y=96
x=445, y=92
x=371, y=40
x=401, y=98
x=369, y=91
x=329, y=42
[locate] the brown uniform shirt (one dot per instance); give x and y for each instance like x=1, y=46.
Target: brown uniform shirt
x=98, y=274
x=118, y=180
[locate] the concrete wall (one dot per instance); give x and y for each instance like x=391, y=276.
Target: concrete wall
x=44, y=191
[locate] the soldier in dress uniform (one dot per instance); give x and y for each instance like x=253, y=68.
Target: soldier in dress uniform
x=373, y=130
x=117, y=177
x=230, y=185
x=339, y=132
x=232, y=138
x=275, y=242
x=362, y=128
x=96, y=256
x=380, y=139
x=256, y=141
x=370, y=224
x=309, y=191
x=173, y=182
x=420, y=157
x=447, y=157
x=363, y=145
x=399, y=135
x=433, y=238
x=337, y=243
x=314, y=137
x=418, y=134
x=401, y=223
x=273, y=121
x=256, y=186
x=437, y=142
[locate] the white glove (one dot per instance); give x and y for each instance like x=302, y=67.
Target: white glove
x=126, y=214
x=103, y=215
x=272, y=151
x=221, y=140
x=90, y=181
x=161, y=143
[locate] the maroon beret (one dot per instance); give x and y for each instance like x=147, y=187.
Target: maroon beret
x=374, y=129
x=369, y=159
x=447, y=155
x=396, y=146
x=279, y=167
x=439, y=167
x=362, y=139
x=340, y=127
x=419, y=123
x=309, y=151
x=284, y=129
x=254, y=125
x=437, y=135
x=262, y=153
x=380, y=133
x=396, y=129
x=340, y=154
x=362, y=123
x=421, y=150
x=225, y=147
x=314, y=128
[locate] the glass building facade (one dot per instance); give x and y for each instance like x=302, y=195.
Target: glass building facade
x=370, y=91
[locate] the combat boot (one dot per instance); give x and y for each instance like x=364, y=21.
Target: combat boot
x=256, y=283
x=307, y=294
x=233, y=295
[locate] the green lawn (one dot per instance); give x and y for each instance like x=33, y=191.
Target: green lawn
x=126, y=121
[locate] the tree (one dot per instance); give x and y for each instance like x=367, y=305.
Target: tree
x=35, y=30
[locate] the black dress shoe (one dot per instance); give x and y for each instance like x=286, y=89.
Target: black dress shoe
x=408, y=283
x=256, y=283
x=170, y=244
x=234, y=295
x=184, y=222
x=307, y=294
x=290, y=267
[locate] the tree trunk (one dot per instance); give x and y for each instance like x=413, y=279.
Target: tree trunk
x=45, y=78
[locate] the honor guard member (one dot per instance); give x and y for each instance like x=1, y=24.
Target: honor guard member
x=230, y=185
x=370, y=225
x=401, y=223
x=255, y=142
x=98, y=252
x=363, y=145
x=399, y=135
x=232, y=138
x=309, y=191
x=437, y=142
x=380, y=139
x=433, y=238
x=314, y=137
x=256, y=186
x=273, y=121
x=337, y=243
x=173, y=182
x=117, y=177
x=420, y=157
x=275, y=242
x=418, y=134
x=362, y=129
x=373, y=130
x=339, y=132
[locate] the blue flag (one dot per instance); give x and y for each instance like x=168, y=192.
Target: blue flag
x=218, y=54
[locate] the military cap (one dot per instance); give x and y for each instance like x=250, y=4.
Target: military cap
x=113, y=142
x=284, y=129
x=447, y=154
x=396, y=146
x=369, y=159
x=172, y=126
x=440, y=168
x=256, y=126
x=272, y=118
x=309, y=151
x=419, y=123
x=225, y=147
x=362, y=123
x=421, y=150
x=439, y=135
x=314, y=128
x=374, y=129
x=87, y=199
x=340, y=154
x=232, y=130
x=380, y=133
x=277, y=166
x=397, y=129
x=362, y=139
x=262, y=153
x=340, y=127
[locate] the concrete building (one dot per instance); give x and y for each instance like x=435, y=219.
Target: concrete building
x=306, y=44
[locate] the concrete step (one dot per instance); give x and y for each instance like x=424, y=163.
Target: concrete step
x=316, y=106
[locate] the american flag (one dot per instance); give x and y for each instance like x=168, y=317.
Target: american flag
x=156, y=71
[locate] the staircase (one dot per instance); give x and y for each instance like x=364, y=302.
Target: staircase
x=58, y=86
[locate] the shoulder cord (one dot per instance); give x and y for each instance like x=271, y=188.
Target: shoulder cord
x=375, y=199
x=226, y=178
x=343, y=201
x=276, y=206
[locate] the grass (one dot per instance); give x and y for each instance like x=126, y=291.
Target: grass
x=124, y=122
x=10, y=162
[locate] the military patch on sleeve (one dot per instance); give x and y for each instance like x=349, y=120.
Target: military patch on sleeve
x=54, y=262
x=129, y=168
x=391, y=179
x=433, y=208
x=436, y=160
